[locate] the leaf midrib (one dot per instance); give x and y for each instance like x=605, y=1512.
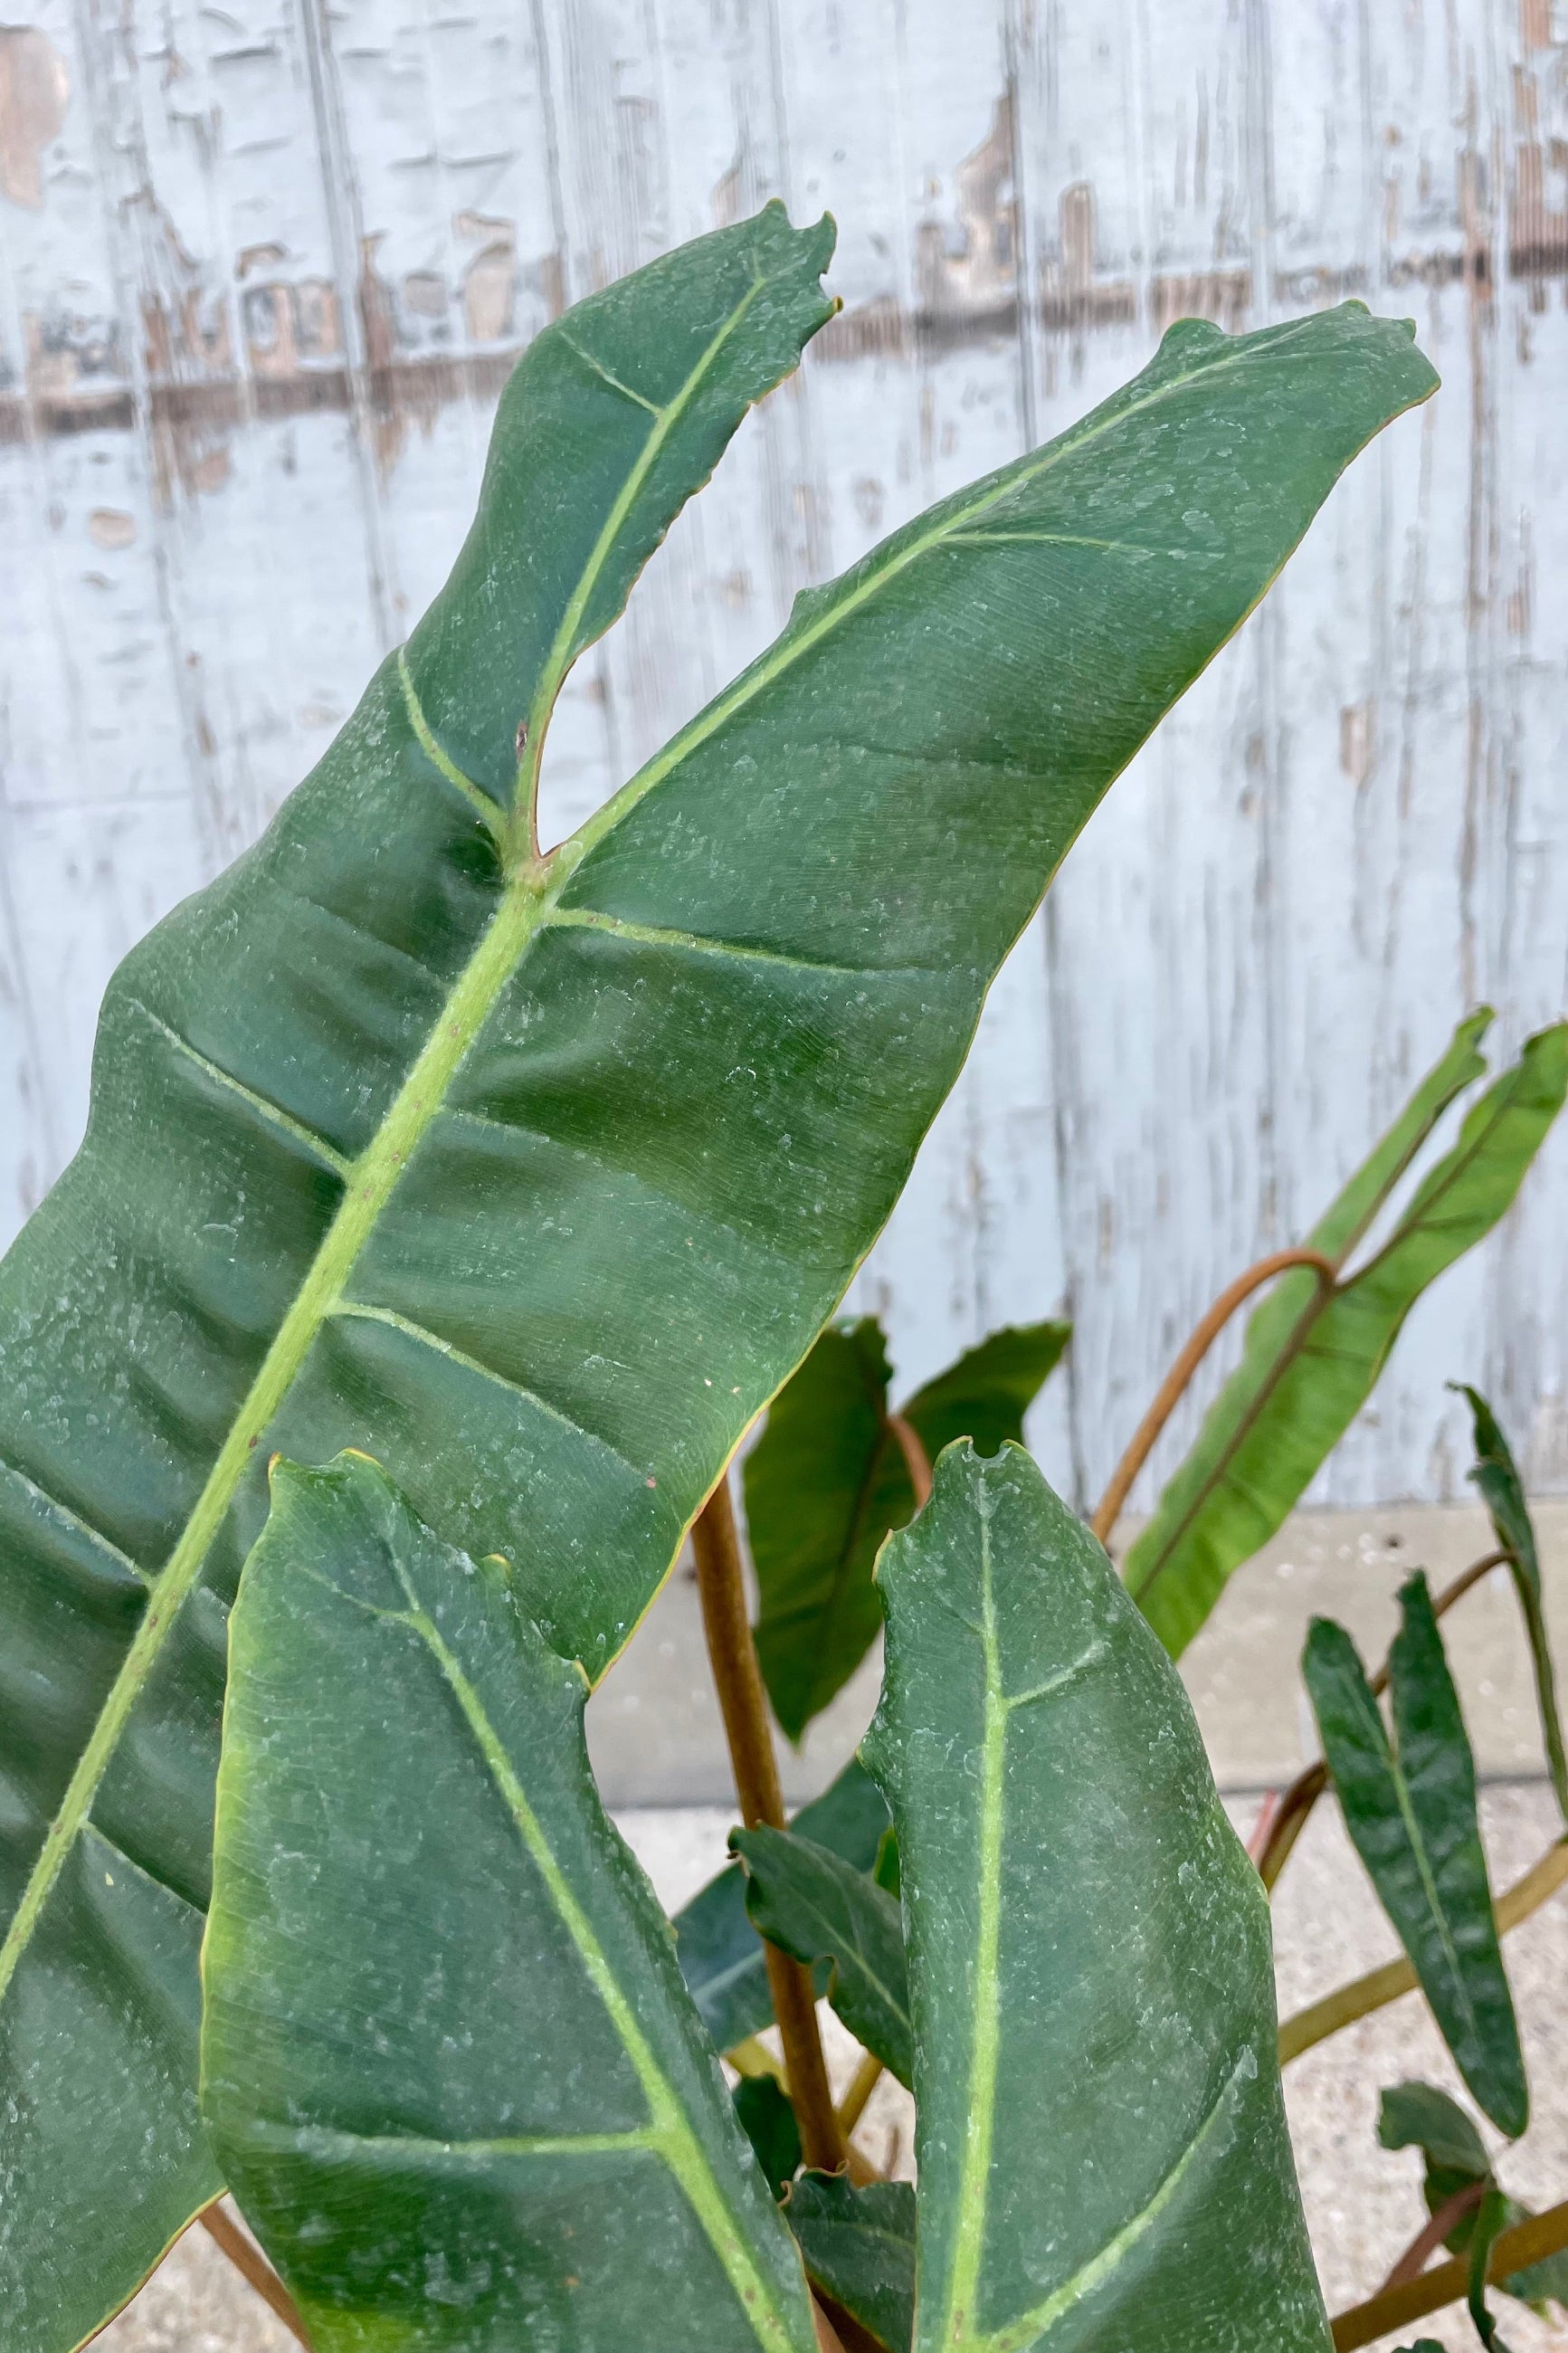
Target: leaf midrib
x=669, y=2134
x=1387, y=1747
x=1313, y=1311
x=790, y=647
x=532, y=887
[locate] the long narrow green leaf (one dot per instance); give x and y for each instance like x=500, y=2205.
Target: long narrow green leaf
x=1097, y=2090
x=1310, y=1364
x=448, y=2059
x=238, y=1260
x=537, y=1177
x=1409, y=1804
x=859, y=2246
x=720, y=1955
x=1502, y=1491
x=827, y=1480
x=816, y=1907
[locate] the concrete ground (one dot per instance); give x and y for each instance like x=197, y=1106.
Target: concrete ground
x=654, y=1734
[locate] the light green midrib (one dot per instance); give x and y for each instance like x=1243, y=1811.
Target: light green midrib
x=564, y=651
x=517, y=918
x=1394, y=1765
x=1017, y=2336
x=790, y=648
x=980, y=2121
x=669, y=2132
x=530, y=892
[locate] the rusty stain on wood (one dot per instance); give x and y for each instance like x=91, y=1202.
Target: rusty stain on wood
x=34, y=88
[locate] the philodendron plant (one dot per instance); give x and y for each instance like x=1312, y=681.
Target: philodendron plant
x=451, y=2070
x=506, y=1187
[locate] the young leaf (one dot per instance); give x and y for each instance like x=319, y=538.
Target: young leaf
x=1418, y=2116
x=483, y=1131
x=1091, y=1980
x=815, y=1906
x=860, y=2248
x=1409, y=1805
x=1310, y=1363
x=718, y=1948
x=768, y=2120
x=1503, y=1492
x=447, y=2060
x=827, y=1480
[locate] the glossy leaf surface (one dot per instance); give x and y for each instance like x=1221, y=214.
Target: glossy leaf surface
x=1496, y=1474
x=1409, y=1804
x=448, y=2059
x=1310, y=1364
x=403, y=1139
x=817, y=1907
x=829, y=1479
x=860, y=2245
x=1091, y=1979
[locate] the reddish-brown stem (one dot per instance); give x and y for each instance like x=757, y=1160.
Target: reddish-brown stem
x=916, y=1461
x=1205, y=1335
x=252, y=2265
x=1435, y=2228
x=1395, y=2307
x=1288, y=1817
x=721, y=1586
x=828, y=2338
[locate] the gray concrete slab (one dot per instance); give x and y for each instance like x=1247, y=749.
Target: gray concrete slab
x=655, y=1737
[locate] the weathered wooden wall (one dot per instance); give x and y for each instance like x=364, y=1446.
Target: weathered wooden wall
x=266, y=265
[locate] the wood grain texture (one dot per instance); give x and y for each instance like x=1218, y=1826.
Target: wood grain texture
x=264, y=269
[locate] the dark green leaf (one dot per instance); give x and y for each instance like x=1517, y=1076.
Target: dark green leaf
x=403, y=1138
x=448, y=2059
x=827, y=1480
x=986, y=1393
x=817, y=1907
x=721, y=1956
x=1502, y=1491
x=296, y=1222
x=1096, y=2080
x=1410, y=1806
x=1418, y=2115
x=1491, y=2219
x=1310, y=1364
x=859, y=2246
x=768, y=2120
x=823, y=1483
